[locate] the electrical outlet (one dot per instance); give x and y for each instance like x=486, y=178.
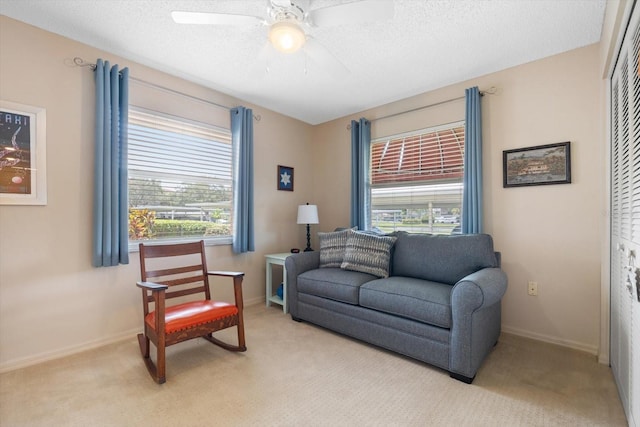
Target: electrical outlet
x=533, y=288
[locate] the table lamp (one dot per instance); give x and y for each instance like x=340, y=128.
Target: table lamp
x=308, y=214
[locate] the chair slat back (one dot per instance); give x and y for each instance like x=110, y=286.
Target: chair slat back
x=181, y=266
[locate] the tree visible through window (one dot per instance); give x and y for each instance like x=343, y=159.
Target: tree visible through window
x=179, y=178
x=416, y=180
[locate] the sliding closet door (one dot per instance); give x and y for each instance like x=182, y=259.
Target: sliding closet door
x=625, y=221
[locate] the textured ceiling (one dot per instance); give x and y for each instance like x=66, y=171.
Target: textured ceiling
x=425, y=45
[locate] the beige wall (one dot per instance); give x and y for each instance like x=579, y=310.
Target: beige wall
x=549, y=234
x=52, y=301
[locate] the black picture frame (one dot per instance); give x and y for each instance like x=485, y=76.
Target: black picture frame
x=285, y=178
x=538, y=165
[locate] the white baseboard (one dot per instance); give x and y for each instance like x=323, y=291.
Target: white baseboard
x=67, y=351
x=587, y=348
x=12, y=365
x=254, y=301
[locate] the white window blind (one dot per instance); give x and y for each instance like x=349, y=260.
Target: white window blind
x=428, y=156
x=180, y=180
x=635, y=137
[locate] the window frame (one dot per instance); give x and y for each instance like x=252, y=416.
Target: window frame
x=209, y=241
x=438, y=184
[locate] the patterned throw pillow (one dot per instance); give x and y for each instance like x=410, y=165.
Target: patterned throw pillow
x=332, y=248
x=368, y=253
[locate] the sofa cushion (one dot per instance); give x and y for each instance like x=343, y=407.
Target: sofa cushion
x=368, y=253
x=332, y=248
x=444, y=259
x=333, y=283
x=421, y=300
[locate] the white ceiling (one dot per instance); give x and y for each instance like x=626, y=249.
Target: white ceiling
x=425, y=45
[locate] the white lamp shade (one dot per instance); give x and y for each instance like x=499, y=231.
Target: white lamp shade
x=286, y=36
x=308, y=214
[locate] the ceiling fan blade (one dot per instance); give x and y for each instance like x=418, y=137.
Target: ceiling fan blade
x=350, y=13
x=260, y=66
x=281, y=3
x=211, y=18
x=324, y=59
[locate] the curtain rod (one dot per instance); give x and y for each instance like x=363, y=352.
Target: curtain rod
x=491, y=91
x=79, y=62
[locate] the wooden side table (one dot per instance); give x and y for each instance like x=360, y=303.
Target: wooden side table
x=271, y=297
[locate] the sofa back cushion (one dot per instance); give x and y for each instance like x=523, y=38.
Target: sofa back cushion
x=444, y=259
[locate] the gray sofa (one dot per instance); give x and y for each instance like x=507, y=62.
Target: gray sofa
x=440, y=303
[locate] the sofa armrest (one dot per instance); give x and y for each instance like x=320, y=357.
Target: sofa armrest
x=480, y=289
x=297, y=264
x=303, y=261
x=476, y=319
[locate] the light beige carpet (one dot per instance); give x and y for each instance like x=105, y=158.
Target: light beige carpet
x=296, y=374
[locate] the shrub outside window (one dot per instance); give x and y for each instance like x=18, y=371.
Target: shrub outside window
x=416, y=180
x=180, y=180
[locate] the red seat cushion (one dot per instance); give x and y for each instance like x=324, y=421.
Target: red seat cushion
x=189, y=314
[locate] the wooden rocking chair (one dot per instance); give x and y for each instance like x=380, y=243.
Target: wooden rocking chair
x=179, y=270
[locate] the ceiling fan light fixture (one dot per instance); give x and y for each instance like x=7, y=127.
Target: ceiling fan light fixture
x=286, y=36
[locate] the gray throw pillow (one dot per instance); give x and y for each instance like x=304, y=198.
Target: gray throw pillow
x=332, y=248
x=368, y=253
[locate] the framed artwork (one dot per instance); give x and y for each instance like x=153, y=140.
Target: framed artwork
x=23, y=171
x=285, y=178
x=539, y=165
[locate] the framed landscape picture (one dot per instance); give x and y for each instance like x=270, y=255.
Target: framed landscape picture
x=539, y=165
x=285, y=178
x=23, y=174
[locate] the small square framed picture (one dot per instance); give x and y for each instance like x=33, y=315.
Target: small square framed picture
x=285, y=178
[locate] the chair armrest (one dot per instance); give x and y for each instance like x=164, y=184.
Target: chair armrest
x=150, y=286
x=225, y=273
x=238, y=277
x=158, y=294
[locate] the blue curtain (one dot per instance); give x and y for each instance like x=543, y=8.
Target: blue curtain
x=110, y=210
x=242, y=140
x=360, y=192
x=472, y=195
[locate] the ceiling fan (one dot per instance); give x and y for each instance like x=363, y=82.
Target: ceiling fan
x=287, y=19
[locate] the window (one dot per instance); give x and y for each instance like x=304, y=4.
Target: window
x=416, y=180
x=179, y=179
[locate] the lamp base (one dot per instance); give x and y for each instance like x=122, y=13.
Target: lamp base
x=308, y=248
